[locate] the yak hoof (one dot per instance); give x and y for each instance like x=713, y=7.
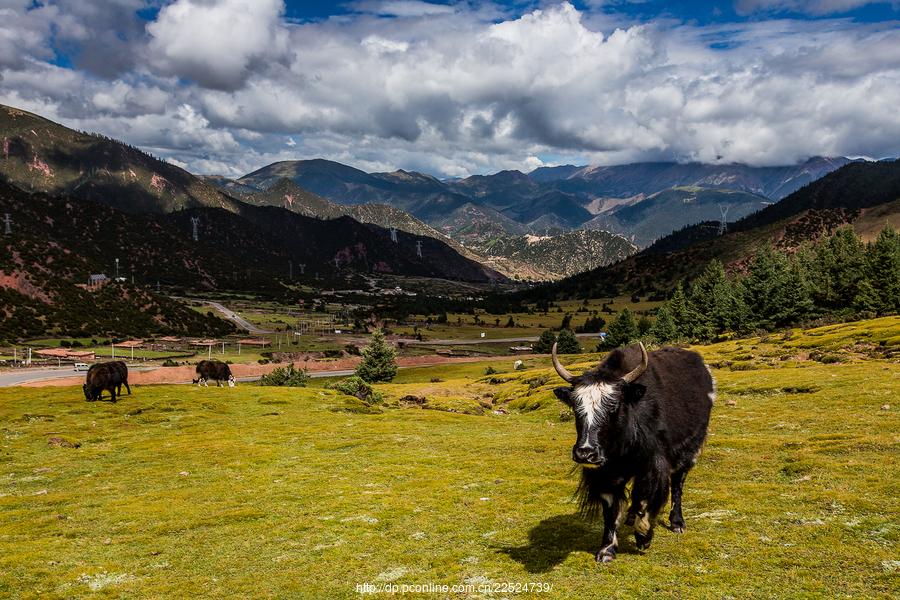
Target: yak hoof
x=605, y=556
x=676, y=523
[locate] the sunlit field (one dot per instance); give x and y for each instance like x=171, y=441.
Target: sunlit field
x=269, y=492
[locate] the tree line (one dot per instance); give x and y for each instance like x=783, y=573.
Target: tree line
x=840, y=278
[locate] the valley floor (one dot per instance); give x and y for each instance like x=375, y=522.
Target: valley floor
x=269, y=492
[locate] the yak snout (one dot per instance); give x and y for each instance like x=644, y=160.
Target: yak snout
x=588, y=455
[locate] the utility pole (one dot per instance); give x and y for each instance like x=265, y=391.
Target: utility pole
x=117, y=269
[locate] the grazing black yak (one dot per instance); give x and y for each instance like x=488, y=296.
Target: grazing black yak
x=105, y=376
x=215, y=370
x=639, y=417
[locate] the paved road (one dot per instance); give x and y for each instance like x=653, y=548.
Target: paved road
x=237, y=319
x=19, y=377
x=413, y=342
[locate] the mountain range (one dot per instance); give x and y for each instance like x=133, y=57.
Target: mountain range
x=862, y=195
x=641, y=201
x=79, y=200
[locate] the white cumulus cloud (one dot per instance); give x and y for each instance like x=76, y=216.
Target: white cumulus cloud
x=218, y=43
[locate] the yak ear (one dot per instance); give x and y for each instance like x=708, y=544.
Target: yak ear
x=564, y=394
x=634, y=392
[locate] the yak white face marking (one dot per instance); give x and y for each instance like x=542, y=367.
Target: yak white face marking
x=592, y=401
x=231, y=381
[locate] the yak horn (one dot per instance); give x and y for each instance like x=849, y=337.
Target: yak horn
x=561, y=370
x=639, y=370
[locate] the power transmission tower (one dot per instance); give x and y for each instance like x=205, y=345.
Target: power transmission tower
x=7, y=221
x=291, y=270
x=194, y=222
x=394, y=234
x=419, y=248
x=723, y=222
x=302, y=268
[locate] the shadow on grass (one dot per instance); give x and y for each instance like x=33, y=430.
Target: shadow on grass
x=553, y=539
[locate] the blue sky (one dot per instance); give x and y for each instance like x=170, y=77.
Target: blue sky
x=455, y=88
x=700, y=12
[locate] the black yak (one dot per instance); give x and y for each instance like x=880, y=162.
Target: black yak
x=640, y=418
x=105, y=376
x=215, y=370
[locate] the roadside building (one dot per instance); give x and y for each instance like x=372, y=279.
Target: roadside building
x=65, y=354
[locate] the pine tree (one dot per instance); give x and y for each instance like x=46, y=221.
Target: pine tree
x=711, y=301
x=757, y=287
x=621, y=331
x=567, y=343
x=682, y=313
x=379, y=360
x=866, y=299
x=664, y=329
x=883, y=260
x=545, y=342
x=839, y=267
x=644, y=325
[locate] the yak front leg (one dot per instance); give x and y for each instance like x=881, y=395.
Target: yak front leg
x=649, y=495
x=613, y=505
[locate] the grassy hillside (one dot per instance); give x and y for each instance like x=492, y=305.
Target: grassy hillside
x=563, y=254
x=290, y=493
x=39, y=155
x=662, y=213
x=285, y=193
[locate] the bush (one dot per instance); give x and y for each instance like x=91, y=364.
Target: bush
x=288, y=376
x=264, y=361
x=169, y=363
x=545, y=342
x=358, y=388
x=352, y=350
x=490, y=371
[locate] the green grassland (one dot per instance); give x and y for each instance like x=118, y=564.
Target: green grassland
x=303, y=493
